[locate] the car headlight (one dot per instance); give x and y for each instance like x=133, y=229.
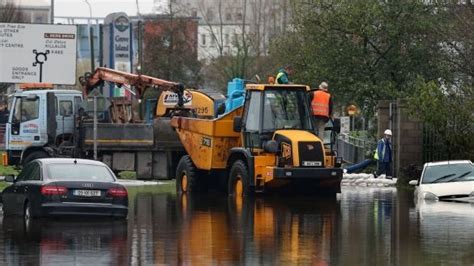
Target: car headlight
x=429, y=196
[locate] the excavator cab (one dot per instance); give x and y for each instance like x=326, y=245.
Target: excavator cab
x=269, y=109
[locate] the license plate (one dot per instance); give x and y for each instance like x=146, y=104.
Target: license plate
x=312, y=163
x=87, y=193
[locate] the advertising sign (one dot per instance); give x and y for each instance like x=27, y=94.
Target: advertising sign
x=38, y=53
x=118, y=47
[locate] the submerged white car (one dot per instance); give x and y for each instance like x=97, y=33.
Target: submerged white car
x=446, y=180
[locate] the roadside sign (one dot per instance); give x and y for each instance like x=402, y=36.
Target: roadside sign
x=118, y=49
x=38, y=53
x=345, y=124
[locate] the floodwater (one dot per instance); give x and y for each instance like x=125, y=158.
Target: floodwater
x=363, y=226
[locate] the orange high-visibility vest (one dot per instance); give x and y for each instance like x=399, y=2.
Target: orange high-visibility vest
x=320, y=103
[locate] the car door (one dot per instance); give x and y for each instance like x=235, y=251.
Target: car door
x=32, y=186
x=13, y=195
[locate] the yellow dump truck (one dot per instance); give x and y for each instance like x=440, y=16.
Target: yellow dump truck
x=267, y=143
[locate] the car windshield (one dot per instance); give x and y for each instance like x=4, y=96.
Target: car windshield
x=79, y=172
x=448, y=173
x=285, y=109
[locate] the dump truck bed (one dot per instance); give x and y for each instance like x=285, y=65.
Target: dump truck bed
x=208, y=141
x=132, y=137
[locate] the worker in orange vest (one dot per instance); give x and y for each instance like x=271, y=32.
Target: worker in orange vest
x=321, y=106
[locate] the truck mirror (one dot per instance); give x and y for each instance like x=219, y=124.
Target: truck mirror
x=237, y=123
x=10, y=179
x=271, y=146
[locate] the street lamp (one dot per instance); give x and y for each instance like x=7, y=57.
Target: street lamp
x=91, y=41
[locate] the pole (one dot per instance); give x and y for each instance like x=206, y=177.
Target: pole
x=52, y=12
x=91, y=41
x=95, y=128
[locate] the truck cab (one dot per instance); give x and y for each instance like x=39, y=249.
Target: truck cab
x=39, y=120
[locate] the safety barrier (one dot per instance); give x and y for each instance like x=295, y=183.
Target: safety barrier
x=354, y=150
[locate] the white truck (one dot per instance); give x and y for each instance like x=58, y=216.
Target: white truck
x=40, y=121
x=48, y=123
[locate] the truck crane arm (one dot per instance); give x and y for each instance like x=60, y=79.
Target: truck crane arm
x=140, y=82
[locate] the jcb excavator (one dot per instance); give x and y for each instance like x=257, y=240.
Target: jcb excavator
x=267, y=143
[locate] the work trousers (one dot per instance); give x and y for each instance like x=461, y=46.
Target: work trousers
x=385, y=168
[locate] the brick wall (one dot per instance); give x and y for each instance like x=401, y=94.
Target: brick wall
x=407, y=134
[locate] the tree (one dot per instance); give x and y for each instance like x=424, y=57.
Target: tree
x=9, y=12
x=446, y=106
x=247, y=53
x=367, y=50
x=447, y=113
x=169, y=52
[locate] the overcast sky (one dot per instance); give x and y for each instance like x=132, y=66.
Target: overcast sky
x=100, y=8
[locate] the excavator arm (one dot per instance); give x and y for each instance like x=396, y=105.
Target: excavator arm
x=140, y=82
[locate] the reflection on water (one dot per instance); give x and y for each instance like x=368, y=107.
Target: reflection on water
x=63, y=242
x=375, y=226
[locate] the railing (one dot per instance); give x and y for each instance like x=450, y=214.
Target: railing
x=354, y=150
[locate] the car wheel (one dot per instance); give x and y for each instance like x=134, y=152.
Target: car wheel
x=33, y=156
x=239, y=180
x=187, y=179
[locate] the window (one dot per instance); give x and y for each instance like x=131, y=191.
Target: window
x=35, y=173
x=253, y=114
x=448, y=173
x=65, y=108
x=77, y=102
x=286, y=109
x=25, y=172
x=79, y=172
x=26, y=109
x=194, y=12
x=226, y=39
x=238, y=15
x=228, y=15
x=17, y=111
x=210, y=15
x=203, y=39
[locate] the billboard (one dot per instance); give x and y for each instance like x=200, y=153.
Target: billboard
x=38, y=53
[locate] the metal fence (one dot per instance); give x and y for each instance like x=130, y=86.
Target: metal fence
x=354, y=150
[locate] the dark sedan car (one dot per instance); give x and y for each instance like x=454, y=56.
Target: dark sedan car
x=65, y=187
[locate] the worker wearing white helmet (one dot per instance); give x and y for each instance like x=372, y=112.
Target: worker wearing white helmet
x=384, y=155
x=321, y=106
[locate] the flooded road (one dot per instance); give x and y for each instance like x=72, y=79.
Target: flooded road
x=374, y=226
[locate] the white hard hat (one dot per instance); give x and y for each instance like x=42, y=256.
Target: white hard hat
x=387, y=132
x=323, y=85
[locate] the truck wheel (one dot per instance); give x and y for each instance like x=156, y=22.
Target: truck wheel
x=239, y=180
x=33, y=156
x=186, y=176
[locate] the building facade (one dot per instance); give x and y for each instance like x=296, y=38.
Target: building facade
x=224, y=24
